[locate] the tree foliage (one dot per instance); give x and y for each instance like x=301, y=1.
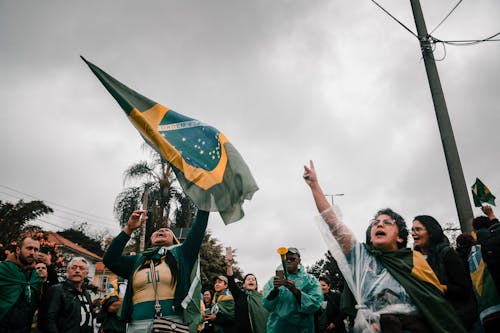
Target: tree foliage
x=452, y=230
x=81, y=235
x=14, y=218
x=328, y=266
x=165, y=196
x=212, y=261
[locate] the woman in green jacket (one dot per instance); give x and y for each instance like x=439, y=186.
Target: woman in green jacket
x=176, y=267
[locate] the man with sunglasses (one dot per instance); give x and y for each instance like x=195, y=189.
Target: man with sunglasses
x=394, y=287
x=292, y=301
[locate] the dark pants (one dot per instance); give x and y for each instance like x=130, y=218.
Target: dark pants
x=396, y=323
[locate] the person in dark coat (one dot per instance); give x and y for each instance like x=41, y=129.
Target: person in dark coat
x=250, y=314
x=69, y=303
x=430, y=240
x=465, y=242
x=46, y=270
x=329, y=318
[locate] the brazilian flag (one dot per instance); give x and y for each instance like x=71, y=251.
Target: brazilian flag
x=208, y=167
x=481, y=194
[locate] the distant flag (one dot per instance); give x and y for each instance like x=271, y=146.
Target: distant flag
x=481, y=194
x=207, y=165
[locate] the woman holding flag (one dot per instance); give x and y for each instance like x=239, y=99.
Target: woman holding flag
x=175, y=268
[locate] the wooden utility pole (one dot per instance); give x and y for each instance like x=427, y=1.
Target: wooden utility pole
x=144, y=206
x=462, y=201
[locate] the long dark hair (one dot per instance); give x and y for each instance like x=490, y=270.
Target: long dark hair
x=436, y=234
x=437, y=240
x=256, y=283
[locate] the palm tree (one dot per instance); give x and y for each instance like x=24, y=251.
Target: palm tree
x=165, y=196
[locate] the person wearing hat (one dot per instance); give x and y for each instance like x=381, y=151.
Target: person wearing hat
x=221, y=314
x=292, y=302
x=175, y=268
x=108, y=315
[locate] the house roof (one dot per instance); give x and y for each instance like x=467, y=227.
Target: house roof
x=99, y=266
x=61, y=241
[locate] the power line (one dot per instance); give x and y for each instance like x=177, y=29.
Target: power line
x=467, y=42
x=436, y=40
x=50, y=223
x=442, y=21
x=395, y=19
x=67, y=210
x=65, y=216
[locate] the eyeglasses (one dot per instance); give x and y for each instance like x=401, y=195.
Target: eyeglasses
x=373, y=223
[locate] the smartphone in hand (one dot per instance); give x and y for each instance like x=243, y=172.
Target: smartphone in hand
x=280, y=273
x=229, y=253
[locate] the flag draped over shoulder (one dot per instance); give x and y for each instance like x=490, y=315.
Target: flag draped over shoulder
x=208, y=167
x=13, y=283
x=481, y=194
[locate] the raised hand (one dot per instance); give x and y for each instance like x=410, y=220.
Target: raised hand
x=488, y=211
x=136, y=219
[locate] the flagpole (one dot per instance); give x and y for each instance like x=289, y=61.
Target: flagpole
x=462, y=201
x=144, y=206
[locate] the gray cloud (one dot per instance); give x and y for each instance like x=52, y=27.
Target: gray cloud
x=286, y=81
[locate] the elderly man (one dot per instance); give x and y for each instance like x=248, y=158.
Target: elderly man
x=395, y=287
x=292, y=302
x=69, y=305
x=20, y=287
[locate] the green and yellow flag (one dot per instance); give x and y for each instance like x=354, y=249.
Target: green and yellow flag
x=208, y=167
x=481, y=194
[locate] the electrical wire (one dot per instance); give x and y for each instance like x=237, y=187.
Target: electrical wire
x=442, y=21
x=98, y=220
x=395, y=19
x=467, y=42
x=444, y=52
x=436, y=40
x=39, y=220
x=64, y=217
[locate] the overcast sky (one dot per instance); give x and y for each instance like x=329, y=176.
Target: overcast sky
x=338, y=82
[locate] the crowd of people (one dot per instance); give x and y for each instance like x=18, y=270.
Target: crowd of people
x=388, y=287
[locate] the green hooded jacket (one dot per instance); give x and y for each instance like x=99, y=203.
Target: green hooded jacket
x=186, y=302
x=286, y=315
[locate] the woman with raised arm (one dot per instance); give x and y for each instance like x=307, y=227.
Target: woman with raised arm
x=175, y=270
x=394, y=287
x=250, y=314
